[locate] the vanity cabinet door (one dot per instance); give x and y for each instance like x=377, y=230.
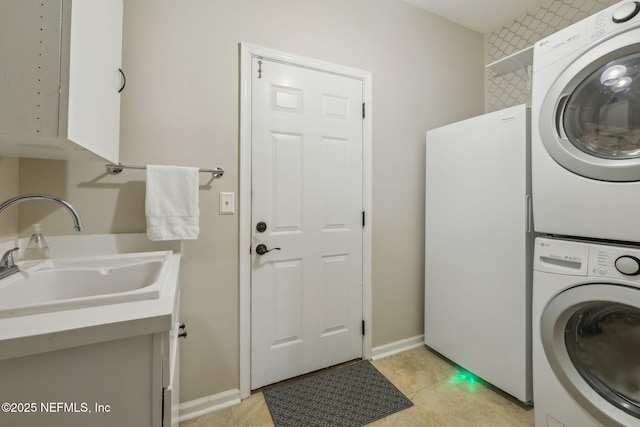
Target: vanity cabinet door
x=104, y=384
x=60, y=78
x=171, y=367
x=172, y=385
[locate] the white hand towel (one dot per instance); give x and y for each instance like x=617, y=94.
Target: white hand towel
x=171, y=203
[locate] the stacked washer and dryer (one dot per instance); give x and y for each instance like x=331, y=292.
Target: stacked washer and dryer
x=585, y=140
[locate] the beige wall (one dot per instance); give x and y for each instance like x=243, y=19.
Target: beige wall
x=181, y=106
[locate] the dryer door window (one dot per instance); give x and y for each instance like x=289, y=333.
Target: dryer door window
x=603, y=342
x=602, y=115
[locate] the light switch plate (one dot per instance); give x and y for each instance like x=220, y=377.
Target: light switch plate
x=227, y=203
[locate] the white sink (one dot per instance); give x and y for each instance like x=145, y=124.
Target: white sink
x=69, y=283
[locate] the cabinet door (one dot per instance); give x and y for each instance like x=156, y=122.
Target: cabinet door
x=172, y=390
x=172, y=386
x=167, y=370
x=60, y=79
x=95, y=52
x=110, y=379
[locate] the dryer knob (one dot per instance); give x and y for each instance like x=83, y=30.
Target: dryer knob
x=628, y=265
x=626, y=12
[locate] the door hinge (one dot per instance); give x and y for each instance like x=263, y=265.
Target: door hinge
x=363, y=110
x=363, y=327
x=363, y=222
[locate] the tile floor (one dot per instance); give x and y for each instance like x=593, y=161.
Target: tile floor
x=440, y=397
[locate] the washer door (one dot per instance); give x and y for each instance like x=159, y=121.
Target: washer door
x=590, y=117
x=591, y=338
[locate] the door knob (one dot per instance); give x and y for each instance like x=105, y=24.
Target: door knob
x=262, y=249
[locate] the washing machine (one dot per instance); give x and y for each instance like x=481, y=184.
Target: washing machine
x=586, y=334
x=585, y=115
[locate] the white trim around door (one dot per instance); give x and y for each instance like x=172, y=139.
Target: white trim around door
x=247, y=52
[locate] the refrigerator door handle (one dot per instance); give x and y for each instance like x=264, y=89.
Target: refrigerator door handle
x=529, y=218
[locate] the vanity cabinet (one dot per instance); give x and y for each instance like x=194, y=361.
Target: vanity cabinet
x=130, y=381
x=60, y=78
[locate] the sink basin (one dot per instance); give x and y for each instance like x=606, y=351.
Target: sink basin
x=63, y=284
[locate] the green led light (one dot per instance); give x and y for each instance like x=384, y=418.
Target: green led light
x=463, y=377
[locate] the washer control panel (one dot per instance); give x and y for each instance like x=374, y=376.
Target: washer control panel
x=560, y=256
x=578, y=258
x=616, y=262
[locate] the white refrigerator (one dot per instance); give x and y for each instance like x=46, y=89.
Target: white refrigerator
x=478, y=247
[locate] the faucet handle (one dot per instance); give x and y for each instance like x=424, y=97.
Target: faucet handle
x=7, y=259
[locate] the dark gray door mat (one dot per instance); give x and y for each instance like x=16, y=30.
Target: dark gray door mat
x=349, y=396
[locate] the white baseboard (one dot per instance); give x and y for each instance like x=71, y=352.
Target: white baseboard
x=215, y=402
x=208, y=404
x=396, y=347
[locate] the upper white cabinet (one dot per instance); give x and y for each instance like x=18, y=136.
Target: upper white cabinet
x=60, y=78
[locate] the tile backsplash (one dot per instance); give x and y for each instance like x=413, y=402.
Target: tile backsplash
x=508, y=90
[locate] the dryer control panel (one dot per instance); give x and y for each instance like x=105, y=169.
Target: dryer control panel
x=582, y=33
x=611, y=19
x=579, y=258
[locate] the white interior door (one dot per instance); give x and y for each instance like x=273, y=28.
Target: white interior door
x=306, y=296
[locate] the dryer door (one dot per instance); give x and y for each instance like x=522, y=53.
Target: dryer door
x=590, y=118
x=591, y=338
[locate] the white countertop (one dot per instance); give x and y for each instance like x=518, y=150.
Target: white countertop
x=38, y=333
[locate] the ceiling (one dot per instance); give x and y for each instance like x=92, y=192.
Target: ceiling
x=482, y=16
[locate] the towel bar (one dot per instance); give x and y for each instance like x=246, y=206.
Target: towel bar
x=116, y=169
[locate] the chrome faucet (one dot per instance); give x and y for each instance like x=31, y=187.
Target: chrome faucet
x=78, y=226
x=7, y=263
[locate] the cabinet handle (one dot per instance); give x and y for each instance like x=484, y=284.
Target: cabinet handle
x=124, y=80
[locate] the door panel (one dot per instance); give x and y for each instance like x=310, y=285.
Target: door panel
x=287, y=182
x=307, y=187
